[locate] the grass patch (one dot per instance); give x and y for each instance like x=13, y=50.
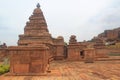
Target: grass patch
x=4, y=68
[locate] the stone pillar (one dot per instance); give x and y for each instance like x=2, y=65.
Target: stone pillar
x=27, y=60
x=89, y=55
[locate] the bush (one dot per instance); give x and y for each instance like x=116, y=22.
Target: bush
x=4, y=69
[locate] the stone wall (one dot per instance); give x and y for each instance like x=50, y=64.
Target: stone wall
x=4, y=54
x=74, y=52
x=101, y=53
x=27, y=60
x=59, y=48
x=89, y=55
x=59, y=52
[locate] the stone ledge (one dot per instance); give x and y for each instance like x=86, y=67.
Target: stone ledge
x=27, y=48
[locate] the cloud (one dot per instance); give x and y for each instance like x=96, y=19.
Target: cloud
x=107, y=19
x=84, y=18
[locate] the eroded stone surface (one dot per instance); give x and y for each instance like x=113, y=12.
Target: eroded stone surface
x=26, y=60
x=65, y=70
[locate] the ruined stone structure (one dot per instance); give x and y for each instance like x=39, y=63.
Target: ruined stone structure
x=3, y=46
x=99, y=43
x=100, y=49
x=86, y=51
x=75, y=49
x=36, y=47
x=3, y=52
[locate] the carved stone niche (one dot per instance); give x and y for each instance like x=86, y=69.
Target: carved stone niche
x=28, y=60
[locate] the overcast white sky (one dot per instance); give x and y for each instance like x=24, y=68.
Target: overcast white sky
x=83, y=18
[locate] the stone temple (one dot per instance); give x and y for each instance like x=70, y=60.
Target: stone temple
x=37, y=48
x=36, y=33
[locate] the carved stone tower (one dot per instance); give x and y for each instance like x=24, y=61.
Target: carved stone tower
x=35, y=31
x=35, y=47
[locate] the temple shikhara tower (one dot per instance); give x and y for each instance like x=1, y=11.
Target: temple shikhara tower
x=35, y=31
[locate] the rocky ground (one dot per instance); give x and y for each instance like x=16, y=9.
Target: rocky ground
x=75, y=70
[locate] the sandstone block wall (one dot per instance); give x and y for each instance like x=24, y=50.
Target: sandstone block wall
x=28, y=60
x=101, y=53
x=3, y=54
x=74, y=52
x=89, y=55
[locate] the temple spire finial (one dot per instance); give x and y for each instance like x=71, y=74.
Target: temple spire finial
x=38, y=5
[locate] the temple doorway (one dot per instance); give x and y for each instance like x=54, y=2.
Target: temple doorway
x=82, y=54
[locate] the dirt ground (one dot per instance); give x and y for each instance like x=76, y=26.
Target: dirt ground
x=76, y=70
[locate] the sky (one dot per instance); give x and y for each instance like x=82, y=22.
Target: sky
x=83, y=18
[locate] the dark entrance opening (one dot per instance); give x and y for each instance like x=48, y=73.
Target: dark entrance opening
x=82, y=54
x=65, y=52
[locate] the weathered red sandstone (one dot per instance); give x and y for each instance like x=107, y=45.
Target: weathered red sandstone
x=110, y=35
